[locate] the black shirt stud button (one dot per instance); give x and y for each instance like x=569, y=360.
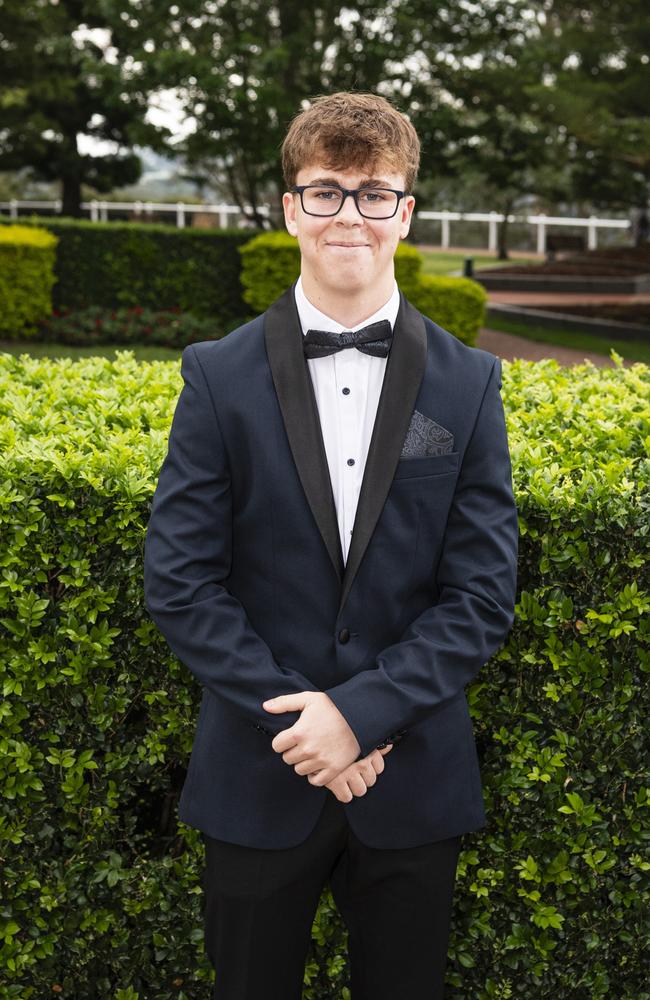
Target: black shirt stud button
x=344, y=635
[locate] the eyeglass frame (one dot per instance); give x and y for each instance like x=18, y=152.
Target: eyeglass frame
x=355, y=192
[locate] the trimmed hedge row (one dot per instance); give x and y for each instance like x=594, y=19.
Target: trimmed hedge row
x=27, y=258
x=100, y=881
x=271, y=262
x=122, y=265
x=127, y=264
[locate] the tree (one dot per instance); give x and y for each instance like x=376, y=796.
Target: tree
x=495, y=136
x=246, y=68
x=595, y=96
x=62, y=76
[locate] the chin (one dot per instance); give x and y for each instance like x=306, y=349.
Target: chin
x=346, y=275
x=347, y=285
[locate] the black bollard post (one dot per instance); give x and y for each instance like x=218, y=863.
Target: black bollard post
x=468, y=270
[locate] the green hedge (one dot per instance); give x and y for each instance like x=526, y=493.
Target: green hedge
x=271, y=262
x=114, y=264
x=27, y=256
x=457, y=304
x=156, y=267
x=101, y=883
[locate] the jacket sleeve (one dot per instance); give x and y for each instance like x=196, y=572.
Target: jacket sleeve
x=187, y=558
x=445, y=646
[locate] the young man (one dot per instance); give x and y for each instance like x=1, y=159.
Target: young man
x=332, y=553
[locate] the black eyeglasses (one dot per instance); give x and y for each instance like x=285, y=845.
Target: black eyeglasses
x=328, y=199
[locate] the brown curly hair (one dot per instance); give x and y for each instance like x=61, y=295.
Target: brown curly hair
x=347, y=130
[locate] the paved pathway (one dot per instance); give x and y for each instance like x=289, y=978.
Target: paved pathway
x=540, y=299
x=509, y=347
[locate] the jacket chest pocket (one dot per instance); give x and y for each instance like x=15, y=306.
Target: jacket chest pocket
x=428, y=485
x=428, y=467
x=423, y=484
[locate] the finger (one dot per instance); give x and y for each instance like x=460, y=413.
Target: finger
x=357, y=785
x=377, y=762
x=303, y=767
x=295, y=756
x=323, y=777
x=341, y=791
x=285, y=703
x=381, y=754
x=369, y=775
x=284, y=740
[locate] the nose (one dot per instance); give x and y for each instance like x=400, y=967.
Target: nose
x=349, y=211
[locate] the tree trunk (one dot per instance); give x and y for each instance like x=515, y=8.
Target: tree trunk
x=503, y=231
x=71, y=177
x=71, y=186
x=642, y=227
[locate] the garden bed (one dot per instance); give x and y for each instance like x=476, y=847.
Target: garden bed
x=617, y=270
x=620, y=262
x=621, y=312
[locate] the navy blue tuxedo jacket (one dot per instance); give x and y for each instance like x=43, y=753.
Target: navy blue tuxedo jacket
x=244, y=576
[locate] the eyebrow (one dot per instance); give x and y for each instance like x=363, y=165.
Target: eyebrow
x=373, y=182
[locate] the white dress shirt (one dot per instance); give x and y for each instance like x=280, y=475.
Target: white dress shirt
x=347, y=387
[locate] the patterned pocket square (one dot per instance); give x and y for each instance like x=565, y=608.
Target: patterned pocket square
x=425, y=438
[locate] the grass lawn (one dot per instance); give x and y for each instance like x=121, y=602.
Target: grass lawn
x=633, y=350
x=446, y=262
x=40, y=350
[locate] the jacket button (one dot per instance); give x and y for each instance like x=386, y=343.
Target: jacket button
x=344, y=635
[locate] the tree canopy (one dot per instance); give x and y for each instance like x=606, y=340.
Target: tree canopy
x=543, y=97
x=66, y=71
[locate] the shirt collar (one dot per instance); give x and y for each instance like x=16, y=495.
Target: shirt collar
x=312, y=318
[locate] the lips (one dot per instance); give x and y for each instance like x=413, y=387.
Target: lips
x=347, y=246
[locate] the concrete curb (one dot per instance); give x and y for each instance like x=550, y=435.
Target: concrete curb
x=603, y=284
x=568, y=321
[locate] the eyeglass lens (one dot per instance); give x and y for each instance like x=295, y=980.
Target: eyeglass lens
x=374, y=203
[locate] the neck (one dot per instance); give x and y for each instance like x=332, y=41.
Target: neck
x=349, y=308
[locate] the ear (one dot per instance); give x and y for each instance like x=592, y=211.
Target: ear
x=408, y=204
x=289, y=202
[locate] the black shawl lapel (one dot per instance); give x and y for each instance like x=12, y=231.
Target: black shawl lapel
x=402, y=379
x=295, y=392
x=283, y=335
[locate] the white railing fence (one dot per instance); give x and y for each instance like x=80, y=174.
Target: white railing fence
x=541, y=222
x=99, y=211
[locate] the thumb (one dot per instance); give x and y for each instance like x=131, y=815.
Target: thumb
x=285, y=703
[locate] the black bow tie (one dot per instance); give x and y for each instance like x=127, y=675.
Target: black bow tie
x=374, y=339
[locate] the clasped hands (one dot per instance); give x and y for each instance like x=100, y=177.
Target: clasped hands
x=322, y=746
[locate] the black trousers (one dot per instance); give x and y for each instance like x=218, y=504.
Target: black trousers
x=259, y=906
